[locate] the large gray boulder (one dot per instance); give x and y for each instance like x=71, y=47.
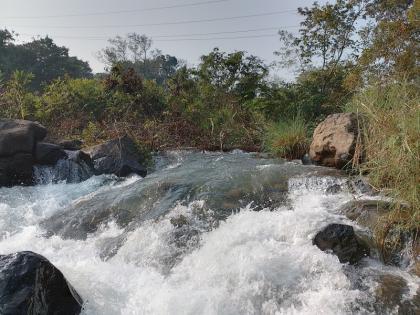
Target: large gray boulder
x=334, y=140
x=18, y=139
x=19, y=136
x=31, y=285
x=119, y=156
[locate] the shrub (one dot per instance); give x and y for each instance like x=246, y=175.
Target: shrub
x=287, y=138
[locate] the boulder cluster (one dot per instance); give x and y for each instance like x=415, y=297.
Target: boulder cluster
x=22, y=147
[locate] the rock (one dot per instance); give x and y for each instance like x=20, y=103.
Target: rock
x=333, y=189
x=343, y=242
x=306, y=160
x=179, y=221
x=366, y=213
x=31, y=285
x=16, y=169
x=334, y=140
x=70, y=145
x=18, y=139
x=391, y=296
x=80, y=157
x=360, y=185
x=390, y=240
x=19, y=136
x=48, y=153
x=119, y=156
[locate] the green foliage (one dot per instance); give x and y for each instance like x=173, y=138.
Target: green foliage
x=288, y=138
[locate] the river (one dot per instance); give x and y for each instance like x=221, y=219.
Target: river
x=203, y=233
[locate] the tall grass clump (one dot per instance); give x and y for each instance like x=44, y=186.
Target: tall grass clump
x=391, y=141
x=288, y=138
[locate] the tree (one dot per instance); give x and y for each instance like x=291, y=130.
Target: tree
x=378, y=37
x=234, y=73
x=139, y=46
x=392, y=48
x=135, y=51
x=41, y=57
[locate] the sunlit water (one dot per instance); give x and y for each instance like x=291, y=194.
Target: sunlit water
x=187, y=239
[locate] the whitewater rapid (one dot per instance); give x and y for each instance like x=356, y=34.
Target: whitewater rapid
x=249, y=262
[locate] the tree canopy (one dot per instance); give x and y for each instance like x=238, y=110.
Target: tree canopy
x=41, y=57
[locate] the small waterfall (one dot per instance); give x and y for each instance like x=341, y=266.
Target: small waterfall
x=314, y=183
x=71, y=170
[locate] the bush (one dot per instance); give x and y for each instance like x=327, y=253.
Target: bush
x=70, y=97
x=287, y=139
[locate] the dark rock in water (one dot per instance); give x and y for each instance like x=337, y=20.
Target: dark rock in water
x=70, y=145
x=31, y=285
x=179, y=221
x=119, y=156
x=343, y=242
x=48, y=153
x=19, y=136
x=16, y=169
x=333, y=189
x=18, y=139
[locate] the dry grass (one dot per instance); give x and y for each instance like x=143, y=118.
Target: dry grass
x=391, y=151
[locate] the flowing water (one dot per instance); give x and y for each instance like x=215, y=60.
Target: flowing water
x=204, y=233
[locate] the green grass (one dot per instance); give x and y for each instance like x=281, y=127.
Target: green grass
x=391, y=150
x=287, y=139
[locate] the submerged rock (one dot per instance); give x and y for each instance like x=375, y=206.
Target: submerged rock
x=119, y=156
x=31, y=285
x=334, y=140
x=343, y=242
x=390, y=296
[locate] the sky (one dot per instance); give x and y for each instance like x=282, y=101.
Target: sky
x=177, y=27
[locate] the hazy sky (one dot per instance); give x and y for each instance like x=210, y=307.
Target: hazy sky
x=84, y=25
